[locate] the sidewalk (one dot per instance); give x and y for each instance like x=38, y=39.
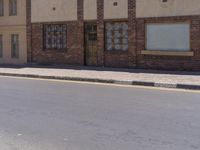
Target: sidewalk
x=168, y=79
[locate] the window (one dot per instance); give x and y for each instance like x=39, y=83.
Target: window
x=1, y=45
x=168, y=37
x=13, y=7
x=55, y=36
x=15, y=46
x=116, y=36
x=1, y=7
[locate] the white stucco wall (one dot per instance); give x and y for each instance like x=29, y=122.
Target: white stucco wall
x=14, y=25
x=90, y=9
x=154, y=8
x=20, y=19
x=115, y=12
x=42, y=10
x=7, y=31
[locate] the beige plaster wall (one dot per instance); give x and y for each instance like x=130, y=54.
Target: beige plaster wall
x=6, y=31
x=115, y=12
x=154, y=8
x=20, y=19
x=90, y=9
x=42, y=10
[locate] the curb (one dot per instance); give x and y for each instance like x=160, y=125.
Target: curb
x=137, y=83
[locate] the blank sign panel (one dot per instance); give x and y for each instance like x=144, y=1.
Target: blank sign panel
x=168, y=37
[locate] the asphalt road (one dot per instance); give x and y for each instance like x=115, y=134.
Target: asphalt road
x=52, y=115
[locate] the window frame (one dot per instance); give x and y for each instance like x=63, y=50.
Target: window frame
x=2, y=14
x=1, y=45
x=163, y=23
x=105, y=36
x=12, y=50
x=44, y=37
x=11, y=6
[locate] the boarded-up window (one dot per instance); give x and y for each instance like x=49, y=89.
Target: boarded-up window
x=116, y=36
x=1, y=7
x=171, y=37
x=13, y=7
x=55, y=36
x=1, y=45
x=15, y=46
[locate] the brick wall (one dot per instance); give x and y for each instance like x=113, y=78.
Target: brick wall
x=169, y=62
x=28, y=24
x=132, y=33
x=100, y=33
x=74, y=54
x=123, y=59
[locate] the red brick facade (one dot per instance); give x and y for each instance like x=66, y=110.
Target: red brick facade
x=170, y=62
x=28, y=22
x=74, y=54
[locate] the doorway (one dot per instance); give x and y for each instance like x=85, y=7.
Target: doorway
x=90, y=44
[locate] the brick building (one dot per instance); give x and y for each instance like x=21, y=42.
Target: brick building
x=153, y=34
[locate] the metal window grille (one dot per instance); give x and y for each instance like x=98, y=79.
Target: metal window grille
x=116, y=36
x=55, y=36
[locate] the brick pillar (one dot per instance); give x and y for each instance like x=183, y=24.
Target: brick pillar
x=132, y=33
x=37, y=41
x=195, y=37
x=80, y=31
x=140, y=40
x=100, y=32
x=28, y=30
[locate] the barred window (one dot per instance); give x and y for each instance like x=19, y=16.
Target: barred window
x=55, y=36
x=13, y=7
x=1, y=45
x=15, y=46
x=116, y=36
x=1, y=7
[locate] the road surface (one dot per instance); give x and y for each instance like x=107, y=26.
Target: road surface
x=54, y=115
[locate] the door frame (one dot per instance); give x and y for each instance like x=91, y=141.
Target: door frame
x=85, y=42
